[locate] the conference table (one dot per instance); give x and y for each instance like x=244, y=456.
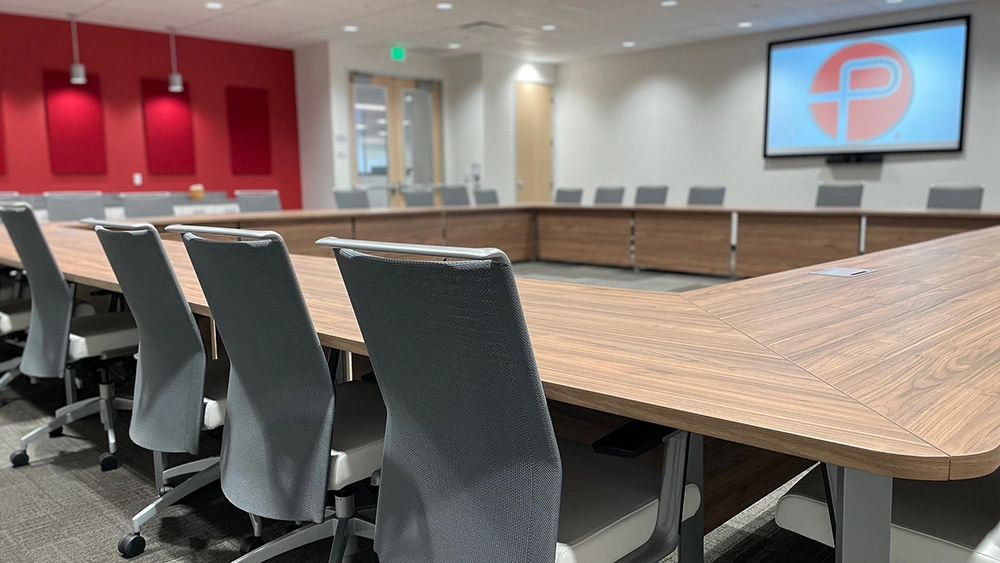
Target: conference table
x=884, y=375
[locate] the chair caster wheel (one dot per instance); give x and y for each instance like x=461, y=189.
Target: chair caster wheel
x=57, y=433
x=131, y=545
x=165, y=489
x=249, y=544
x=109, y=462
x=19, y=458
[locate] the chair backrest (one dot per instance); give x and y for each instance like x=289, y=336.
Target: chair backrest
x=279, y=409
x=419, y=198
x=955, y=197
x=170, y=381
x=706, y=195
x=455, y=196
x=651, y=195
x=150, y=204
x=351, y=199
x=51, y=297
x=569, y=196
x=73, y=206
x=609, y=195
x=839, y=195
x=258, y=200
x=486, y=197
x=487, y=441
x=379, y=197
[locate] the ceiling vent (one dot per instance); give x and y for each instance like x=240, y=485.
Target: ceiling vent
x=487, y=30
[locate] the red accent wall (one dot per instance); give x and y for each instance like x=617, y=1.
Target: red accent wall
x=122, y=58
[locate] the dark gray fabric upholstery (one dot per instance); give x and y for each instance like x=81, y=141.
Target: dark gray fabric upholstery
x=419, y=198
x=258, y=200
x=486, y=197
x=148, y=205
x=706, y=195
x=69, y=206
x=279, y=410
x=455, y=195
x=966, y=197
x=839, y=195
x=569, y=196
x=170, y=381
x=51, y=297
x=470, y=471
x=609, y=195
x=351, y=199
x=651, y=195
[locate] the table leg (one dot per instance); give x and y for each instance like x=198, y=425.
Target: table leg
x=692, y=547
x=864, y=516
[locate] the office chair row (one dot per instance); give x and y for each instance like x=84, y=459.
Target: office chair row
x=74, y=206
x=378, y=197
x=457, y=479
x=644, y=195
x=958, y=197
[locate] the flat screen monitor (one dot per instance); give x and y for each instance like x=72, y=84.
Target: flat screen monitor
x=885, y=90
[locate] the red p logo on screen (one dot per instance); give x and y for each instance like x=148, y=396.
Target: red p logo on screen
x=861, y=91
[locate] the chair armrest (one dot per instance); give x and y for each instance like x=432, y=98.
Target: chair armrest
x=120, y=353
x=633, y=439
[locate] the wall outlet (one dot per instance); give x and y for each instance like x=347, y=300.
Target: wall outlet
x=137, y=179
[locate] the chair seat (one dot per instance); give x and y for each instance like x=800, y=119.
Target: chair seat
x=358, y=433
x=932, y=522
x=608, y=505
x=15, y=316
x=94, y=335
x=216, y=391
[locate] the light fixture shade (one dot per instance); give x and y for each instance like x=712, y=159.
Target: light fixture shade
x=175, y=83
x=78, y=74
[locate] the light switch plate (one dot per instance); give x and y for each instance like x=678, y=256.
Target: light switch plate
x=137, y=179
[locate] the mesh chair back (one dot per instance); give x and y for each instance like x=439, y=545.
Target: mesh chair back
x=455, y=196
x=251, y=201
x=839, y=195
x=170, y=381
x=351, y=199
x=470, y=469
x=955, y=197
x=51, y=297
x=157, y=204
x=651, y=195
x=486, y=197
x=419, y=198
x=279, y=410
x=706, y=195
x=74, y=206
x=609, y=195
x=379, y=197
x=569, y=196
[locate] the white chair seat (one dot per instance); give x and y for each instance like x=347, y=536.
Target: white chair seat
x=92, y=336
x=608, y=505
x=358, y=433
x=15, y=316
x=932, y=522
x=216, y=391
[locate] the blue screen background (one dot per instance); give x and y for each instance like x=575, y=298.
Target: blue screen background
x=936, y=58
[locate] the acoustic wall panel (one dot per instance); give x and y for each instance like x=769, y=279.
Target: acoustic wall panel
x=3, y=153
x=249, y=130
x=75, y=124
x=169, y=129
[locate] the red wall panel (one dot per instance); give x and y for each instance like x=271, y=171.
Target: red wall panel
x=249, y=130
x=3, y=156
x=75, y=120
x=169, y=129
x=122, y=58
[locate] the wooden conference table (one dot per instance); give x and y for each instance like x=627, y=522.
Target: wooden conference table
x=891, y=374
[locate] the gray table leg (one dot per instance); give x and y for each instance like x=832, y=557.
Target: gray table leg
x=864, y=516
x=692, y=547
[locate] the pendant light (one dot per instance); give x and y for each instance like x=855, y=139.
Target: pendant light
x=77, y=71
x=175, y=83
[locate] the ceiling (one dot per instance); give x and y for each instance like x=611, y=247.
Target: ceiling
x=584, y=28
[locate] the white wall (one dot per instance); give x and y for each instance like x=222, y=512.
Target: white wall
x=312, y=89
x=463, y=118
x=695, y=115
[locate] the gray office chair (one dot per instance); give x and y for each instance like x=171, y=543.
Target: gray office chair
x=178, y=391
x=486, y=197
x=839, y=195
x=455, y=196
x=651, y=195
x=284, y=414
x=57, y=343
x=251, y=201
x=706, y=195
x=351, y=199
x=148, y=204
x=416, y=197
x=380, y=197
x=956, y=197
x=74, y=206
x=472, y=470
x=569, y=196
x=609, y=195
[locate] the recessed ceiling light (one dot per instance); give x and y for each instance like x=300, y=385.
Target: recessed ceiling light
x=213, y=5
x=351, y=28
x=381, y=121
x=548, y=27
x=445, y=6
x=382, y=133
x=628, y=44
x=454, y=45
x=361, y=127
x=893, y=1
x=745, y=25
x=668, y=3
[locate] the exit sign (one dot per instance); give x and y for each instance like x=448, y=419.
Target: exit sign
x=398, y=54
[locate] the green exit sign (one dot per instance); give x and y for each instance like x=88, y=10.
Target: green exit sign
x=398, y=54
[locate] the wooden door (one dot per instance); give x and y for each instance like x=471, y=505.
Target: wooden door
x=534, y=143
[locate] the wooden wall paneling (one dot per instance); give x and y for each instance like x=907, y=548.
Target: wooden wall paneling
x=770, y=242
x=509, y=231
x=888, y=231
x=585, y=236
x=301, y=236
x=683, y=241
